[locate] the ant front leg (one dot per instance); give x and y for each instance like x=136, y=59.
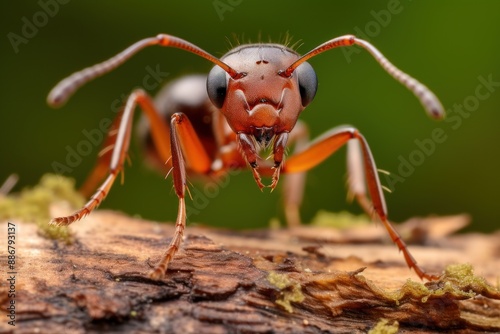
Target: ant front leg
x=185, y=143
x=361, y=165
x=113, y=155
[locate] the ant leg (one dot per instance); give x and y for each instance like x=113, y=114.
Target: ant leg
x=293, y=188
x=101, y=167
x=118, y=140
x=356, y=178
x=184, y=143
x=357, y=189
x=329, y=143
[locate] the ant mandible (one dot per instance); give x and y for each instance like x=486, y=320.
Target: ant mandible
x=256, y=93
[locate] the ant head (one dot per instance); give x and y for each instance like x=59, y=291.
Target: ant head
x=262, y=100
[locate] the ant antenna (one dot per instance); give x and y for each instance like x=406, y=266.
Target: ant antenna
x=66, y=87
x=430, y=102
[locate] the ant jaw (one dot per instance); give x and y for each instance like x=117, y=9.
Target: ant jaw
x=248, y=145
x=263, y=135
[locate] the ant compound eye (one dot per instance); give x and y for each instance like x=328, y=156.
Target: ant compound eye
x=217, y=86
x=308, y=82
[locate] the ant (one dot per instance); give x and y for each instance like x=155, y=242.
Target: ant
x=250, y=101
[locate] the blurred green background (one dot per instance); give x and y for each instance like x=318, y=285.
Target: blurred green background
x=448, y=45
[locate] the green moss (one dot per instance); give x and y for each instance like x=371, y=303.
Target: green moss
x=383, y=327
x=458, y=281
x=418, y=290
x=462, y=276
x=33, y=204
x=339, y=220
x=62, y=233
x=290, y=291
x=274, y=224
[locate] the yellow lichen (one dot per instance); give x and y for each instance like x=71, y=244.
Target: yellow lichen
x=32, y=204
x=290, y=291
x=384, y=327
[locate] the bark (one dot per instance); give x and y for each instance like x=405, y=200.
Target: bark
x=304, y=280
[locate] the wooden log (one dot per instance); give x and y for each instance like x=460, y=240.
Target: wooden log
x=299, y=280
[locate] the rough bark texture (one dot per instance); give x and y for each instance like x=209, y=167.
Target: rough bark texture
x=268, y=281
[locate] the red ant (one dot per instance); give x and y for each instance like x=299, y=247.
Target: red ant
x=252, y=100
